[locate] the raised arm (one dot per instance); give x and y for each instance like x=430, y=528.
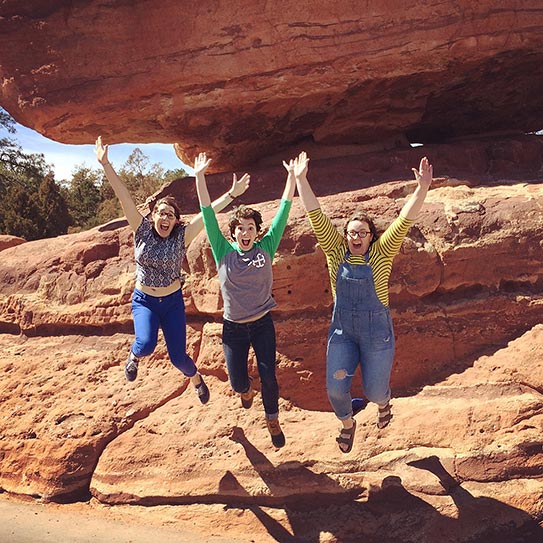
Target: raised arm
x=239, y=186
x=309, y=200
x=201, y=163
x=131, y=212
x=423, y=176
x=290, y=185
x=270, y=241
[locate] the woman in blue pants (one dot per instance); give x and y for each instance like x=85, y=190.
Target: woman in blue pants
x=160, y=241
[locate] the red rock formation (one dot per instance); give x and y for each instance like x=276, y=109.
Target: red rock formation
x=83, y=282
x=467, y=282
x=247, y=79
x=10, y=241
x=463, y=457
x=466, y=446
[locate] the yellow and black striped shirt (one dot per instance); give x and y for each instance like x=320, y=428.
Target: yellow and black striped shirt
x=382, y=252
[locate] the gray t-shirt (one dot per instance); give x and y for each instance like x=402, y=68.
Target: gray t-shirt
x=246, y=278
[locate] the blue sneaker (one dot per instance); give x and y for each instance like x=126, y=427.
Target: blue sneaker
x=358, y=404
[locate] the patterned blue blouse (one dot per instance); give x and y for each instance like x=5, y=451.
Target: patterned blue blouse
x=158, y=260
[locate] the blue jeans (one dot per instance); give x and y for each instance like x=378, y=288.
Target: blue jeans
x=151, y=313
x=236, y=340
x=361, y=332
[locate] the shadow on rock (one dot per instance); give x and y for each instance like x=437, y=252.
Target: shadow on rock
x=480, y=519
x=330, y=513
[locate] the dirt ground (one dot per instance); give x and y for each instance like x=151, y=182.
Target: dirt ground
x=33, y=522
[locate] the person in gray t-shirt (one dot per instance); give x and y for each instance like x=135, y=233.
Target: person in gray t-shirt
x=245, y=275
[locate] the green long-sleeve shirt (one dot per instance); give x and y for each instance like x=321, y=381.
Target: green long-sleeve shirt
x=246, y=278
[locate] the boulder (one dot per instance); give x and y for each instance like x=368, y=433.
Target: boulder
x=245, y=80
x=7, y=241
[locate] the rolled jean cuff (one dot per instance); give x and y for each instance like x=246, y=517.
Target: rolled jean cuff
x=273, y=416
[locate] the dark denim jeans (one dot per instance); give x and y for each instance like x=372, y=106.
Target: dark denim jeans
x=236, y=340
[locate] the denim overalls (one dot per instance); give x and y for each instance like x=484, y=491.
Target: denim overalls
x=360, y=333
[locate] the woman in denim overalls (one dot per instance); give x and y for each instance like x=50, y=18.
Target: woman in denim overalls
x=359, y=263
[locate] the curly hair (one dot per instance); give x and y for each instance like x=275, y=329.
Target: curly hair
x=243, y=212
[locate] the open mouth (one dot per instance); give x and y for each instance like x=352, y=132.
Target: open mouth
x=164, y=227
x=245, y=243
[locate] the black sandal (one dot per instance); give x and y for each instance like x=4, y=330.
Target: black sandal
x=346, y=437
x=384, y=416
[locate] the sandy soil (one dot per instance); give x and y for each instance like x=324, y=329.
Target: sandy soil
x=33, y=522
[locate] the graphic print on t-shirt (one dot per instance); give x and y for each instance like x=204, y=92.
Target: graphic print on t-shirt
x=258, y=262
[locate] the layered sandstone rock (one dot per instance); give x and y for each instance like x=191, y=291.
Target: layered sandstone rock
x=7, y=241
x=244, y=79
x=463, y=456
x=465, y=440
x=466, y=282
x=441, y=287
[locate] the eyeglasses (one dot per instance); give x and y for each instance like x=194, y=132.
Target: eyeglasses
x=166, y=215
x=361, y=234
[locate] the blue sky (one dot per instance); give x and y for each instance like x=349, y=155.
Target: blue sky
x=64, y=158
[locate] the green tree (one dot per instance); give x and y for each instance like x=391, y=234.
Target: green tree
x=142, y=180
x=35, y=206
x=19, y=168
x=16, y=166
x=172, y=175
x=140, y=176
x=22, y=215
x=53, y=207
x=110, y=207
x=84, y=198
x=32, y=204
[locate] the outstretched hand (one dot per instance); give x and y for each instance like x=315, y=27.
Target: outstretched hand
x=424, y=174
x=239, y=186
x=101, y=151
x=301, y=163
x=201, y=163
x=289, y=166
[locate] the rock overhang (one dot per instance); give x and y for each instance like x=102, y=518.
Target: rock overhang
x=245, y=80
